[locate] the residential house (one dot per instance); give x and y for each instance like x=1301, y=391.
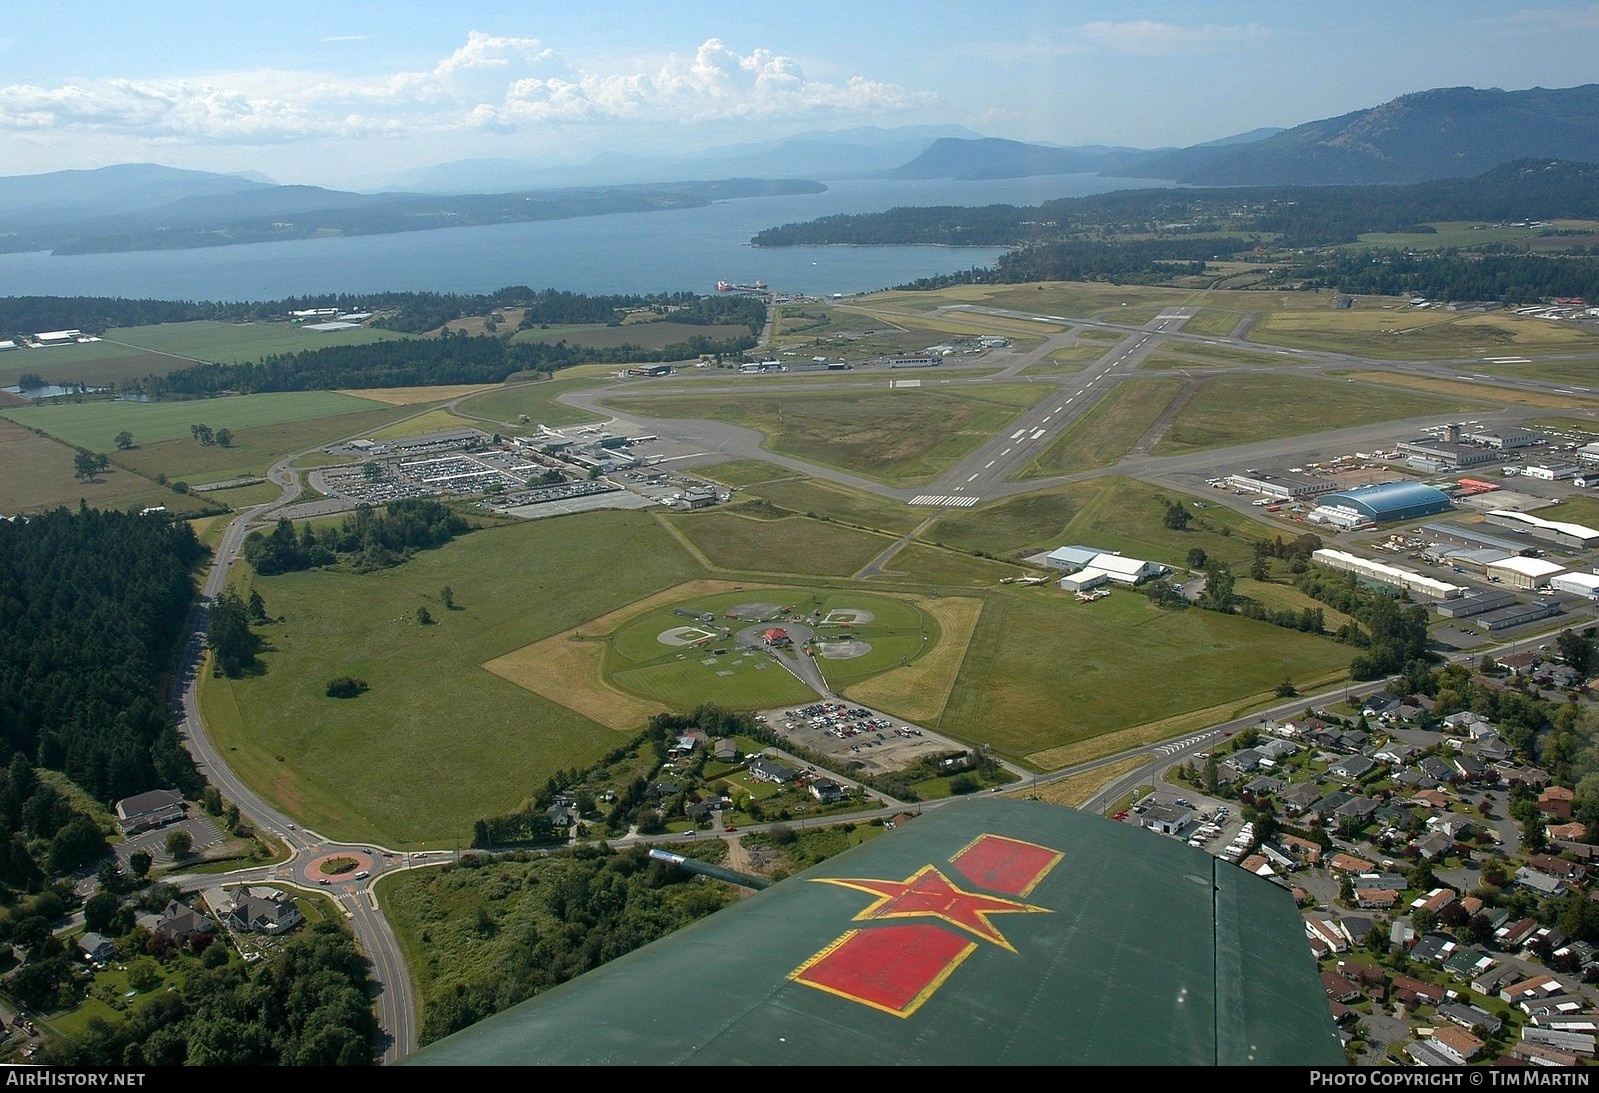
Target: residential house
x=1267, y=785
x=1344, y=991
x=1467, y=962
x=1456, y=1042
x=1532, y=777
x=1433, y=845
x=1575, y=1043
x=1430, y=798
x=1348, y=863
x=1542, y=883
x=1424, y=1053
x=96, y=948
x=1412, y=991
x=1435, y=900
x=1239, y=764
x=182, y=925
x=1573, y=832
x=144, y=811
x=1530, y=1051
x=1327, y=934
x=1372, y=979
x=1396, y=752
x=1555, y=801
x=725, y=750
x=1307, y=852
x=1532, y=988
x=1494, y=979
x=1563, y=868
x=263, y=911
x=1355, y=813
x=1376, y=899
x=1434, y=948
x=1513, y=935
x=1378, y=703
x=1452, y=824
x=1471, y=1017
x=1273, y=752
x=1298, y=797
x=1436, y=769
x=826, y=790
x=1471, y=770
x=763, y=769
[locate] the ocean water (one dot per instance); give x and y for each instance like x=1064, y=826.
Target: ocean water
x=686, y=250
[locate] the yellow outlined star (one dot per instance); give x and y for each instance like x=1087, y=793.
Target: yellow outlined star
x=928, y=893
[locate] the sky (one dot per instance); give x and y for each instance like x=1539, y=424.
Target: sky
x=356, y=94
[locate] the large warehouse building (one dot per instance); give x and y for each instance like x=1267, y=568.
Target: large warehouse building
x=1559, y=532
x=1380, y=504
x=1394, y=576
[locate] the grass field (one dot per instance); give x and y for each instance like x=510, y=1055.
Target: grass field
x=814, y=496
x=419, y=396
x=40, y=475
x=538, y=401
x=1477, y=391
x=739, y=473
x=1212, y=320
x=1111, y=513
x=919, y=690
x=127, y=354
x=437, y=741
x=1394, y=331
x=1013, y=685
x=1231, y=410
x=732, y=540
x=1106, y=433
x=717, y=668
x=924, y=563
x=649, y=336
x=902, y=437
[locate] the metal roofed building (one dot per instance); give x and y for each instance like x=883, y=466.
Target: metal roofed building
x=1561, y=532
x=988, y=932
x=1474, y=536
x=1524, y=573
x=1382, y=573
x=1581, y=584
x=1515, y=614
x=1475, y=603
x=1380, y=504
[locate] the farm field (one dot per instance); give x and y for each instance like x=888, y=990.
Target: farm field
x=644, y=335
x=126, y=354
x=40, y=475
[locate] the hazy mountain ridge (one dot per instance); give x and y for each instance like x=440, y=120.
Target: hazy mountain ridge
x=1444, y=133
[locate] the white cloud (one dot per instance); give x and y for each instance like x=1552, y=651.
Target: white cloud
x=1147, y=38
x=490, y=83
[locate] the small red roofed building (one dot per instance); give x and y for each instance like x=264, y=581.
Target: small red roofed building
x=775, y=637
x=1348, y=863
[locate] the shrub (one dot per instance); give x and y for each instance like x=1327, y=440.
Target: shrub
x=346, y=687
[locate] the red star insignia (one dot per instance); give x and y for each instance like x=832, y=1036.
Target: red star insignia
x=928, y=893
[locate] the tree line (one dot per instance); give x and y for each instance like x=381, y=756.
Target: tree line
x=93, y=609
x=368, y=538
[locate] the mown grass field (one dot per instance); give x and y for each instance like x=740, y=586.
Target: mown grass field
x=540, y=402
x=437, y=741
x=39, y=475
x=1027, y=686
x=732, y=540
x=1106, y=433
x=1231, y=410
x=830, y=501
x=903, y=437
x=1480, y=392
x=1213, y=320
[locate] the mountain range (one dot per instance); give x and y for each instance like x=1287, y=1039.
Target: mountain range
x=1443, y=133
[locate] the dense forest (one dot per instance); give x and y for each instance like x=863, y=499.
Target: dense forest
x=367, y=539
x=93, y=607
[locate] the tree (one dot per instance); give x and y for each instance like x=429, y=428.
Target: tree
x=179, y=843
x=139, y=862
x=1197, y=558
x=447, y=597
x=1286, y=688
x=203, y=434
x=85, y=466
x=1176, y=517
x=124, y=440
x=424, y=617
x=258, y=612
x=224, y=438
x=99, y=911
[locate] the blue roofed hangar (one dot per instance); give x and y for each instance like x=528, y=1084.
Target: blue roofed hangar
x=1380, y=504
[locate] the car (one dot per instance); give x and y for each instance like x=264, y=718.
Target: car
x=1122, y=815
x=729, y=827
x=362, y=875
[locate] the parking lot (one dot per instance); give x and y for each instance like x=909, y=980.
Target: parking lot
x=854, y=739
